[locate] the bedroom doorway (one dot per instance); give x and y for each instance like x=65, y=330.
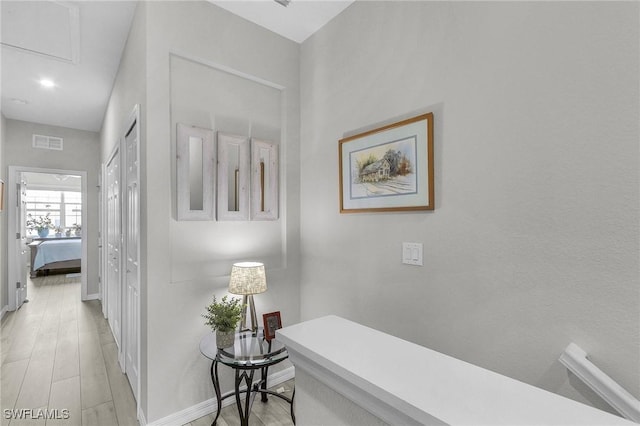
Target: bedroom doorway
x=56, y=199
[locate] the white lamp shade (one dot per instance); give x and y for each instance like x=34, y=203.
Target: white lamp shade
x=247, y=278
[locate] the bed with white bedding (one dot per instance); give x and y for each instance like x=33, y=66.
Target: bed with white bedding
x=55, y=254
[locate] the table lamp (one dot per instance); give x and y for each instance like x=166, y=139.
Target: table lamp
x=247, y=279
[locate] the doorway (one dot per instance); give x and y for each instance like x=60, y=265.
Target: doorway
x=21, y=179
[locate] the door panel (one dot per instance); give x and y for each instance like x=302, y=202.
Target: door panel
x=23, y=250
x=132, y=276
x=113, y=279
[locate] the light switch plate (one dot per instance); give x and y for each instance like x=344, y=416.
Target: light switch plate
x=412, y=254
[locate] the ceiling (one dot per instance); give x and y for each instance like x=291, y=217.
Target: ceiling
x=78, y=45
x=297, y=21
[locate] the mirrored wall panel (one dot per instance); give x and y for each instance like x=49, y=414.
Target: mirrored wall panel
x=195, y=173
x=233, y=177
x=264, y=180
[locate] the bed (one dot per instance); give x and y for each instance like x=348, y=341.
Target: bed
x=55, y=254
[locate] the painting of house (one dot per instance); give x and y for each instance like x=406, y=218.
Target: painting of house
x=384, y=170
x=375, y=172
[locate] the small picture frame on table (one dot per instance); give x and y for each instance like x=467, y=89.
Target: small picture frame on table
x=272, y=322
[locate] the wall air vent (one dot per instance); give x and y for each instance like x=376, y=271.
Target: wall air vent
x=47, y=142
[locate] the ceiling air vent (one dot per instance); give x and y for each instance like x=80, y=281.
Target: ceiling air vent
x=47, y=142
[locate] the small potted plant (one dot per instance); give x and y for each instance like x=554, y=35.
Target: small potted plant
x=41, y=224
x=77, y=229
x=58, y=231
x=223, y=317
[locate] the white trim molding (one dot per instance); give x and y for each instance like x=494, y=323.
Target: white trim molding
x=12, y=226
x=576, y=361
x=93, y=296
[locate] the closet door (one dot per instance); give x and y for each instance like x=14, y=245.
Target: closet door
x=132, y=255
x=114, y=231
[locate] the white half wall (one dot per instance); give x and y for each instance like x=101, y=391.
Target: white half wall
x=534, y=239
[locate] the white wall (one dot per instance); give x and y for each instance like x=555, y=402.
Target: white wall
x=4, y=298
x=319, y=404
x=188, y=262
x=129, y=87
x=534, y=240
x=81, y=153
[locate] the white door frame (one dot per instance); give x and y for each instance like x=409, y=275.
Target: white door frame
x=12, y=226
x=101, y=235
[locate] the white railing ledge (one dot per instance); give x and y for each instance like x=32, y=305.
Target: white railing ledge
x=575, y=359
x=388, y=376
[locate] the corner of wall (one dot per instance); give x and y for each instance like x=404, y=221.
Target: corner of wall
x=4, y=297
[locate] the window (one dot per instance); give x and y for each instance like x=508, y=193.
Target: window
x=72, y=202
x=64, y=207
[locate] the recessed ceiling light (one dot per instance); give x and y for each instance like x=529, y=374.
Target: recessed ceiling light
x=45, y=82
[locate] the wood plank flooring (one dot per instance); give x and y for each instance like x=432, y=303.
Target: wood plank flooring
x=276, y=412
x=58, y=352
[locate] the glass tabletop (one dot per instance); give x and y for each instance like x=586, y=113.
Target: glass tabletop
x=247, y=351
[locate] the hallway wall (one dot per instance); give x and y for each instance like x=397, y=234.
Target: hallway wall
x=4, y=298
x=81, y=153
x=534, y=241
x=176, y=55
x=189, y=261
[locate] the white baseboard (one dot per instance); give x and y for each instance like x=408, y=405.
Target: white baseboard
x=94, y=296
x=209, y=406
x=5, y=309
x=141, y=418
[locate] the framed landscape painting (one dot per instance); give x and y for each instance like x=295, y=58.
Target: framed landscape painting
x=389, y=168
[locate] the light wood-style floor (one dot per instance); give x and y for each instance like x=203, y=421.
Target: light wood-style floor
x=58, y=352
x=276, y=412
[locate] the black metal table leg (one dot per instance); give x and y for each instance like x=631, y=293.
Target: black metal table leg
x=293, y=396
x=247, y=378
x=264, y=373
x=216, y=388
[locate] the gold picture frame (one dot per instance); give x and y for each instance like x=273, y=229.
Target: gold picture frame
x=389, y=168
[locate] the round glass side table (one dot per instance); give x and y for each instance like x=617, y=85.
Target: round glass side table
x=250, y=352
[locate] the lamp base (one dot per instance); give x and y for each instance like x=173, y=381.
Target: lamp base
x=247, y=301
